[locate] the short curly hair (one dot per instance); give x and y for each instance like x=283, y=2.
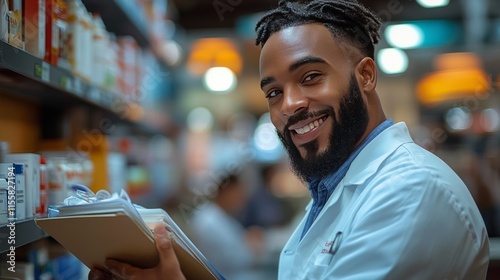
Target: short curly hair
x=346, y=19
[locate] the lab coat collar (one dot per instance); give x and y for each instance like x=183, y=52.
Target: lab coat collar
x=369, y=160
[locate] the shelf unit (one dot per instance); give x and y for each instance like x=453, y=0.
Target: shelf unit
x=26, y=231
x=121, y=17
x=28, y=77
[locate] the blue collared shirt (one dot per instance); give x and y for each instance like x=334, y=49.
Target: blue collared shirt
x=322, y=189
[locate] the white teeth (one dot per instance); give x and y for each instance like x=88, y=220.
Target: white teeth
x=308, y=127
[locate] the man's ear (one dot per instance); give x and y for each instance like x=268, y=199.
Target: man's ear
x=366, y=73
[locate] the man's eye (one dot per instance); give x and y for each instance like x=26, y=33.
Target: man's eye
x=310, y=77
x=272, y=93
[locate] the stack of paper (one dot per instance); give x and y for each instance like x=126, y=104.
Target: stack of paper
x=116, y=229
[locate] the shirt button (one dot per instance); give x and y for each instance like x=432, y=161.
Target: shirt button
x=288, y=252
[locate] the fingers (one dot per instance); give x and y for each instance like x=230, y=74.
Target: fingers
x=169, y=264
x=163, y=243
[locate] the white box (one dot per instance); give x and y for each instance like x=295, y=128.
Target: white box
x=19, y=205
x=16, y=24
x=31, y=166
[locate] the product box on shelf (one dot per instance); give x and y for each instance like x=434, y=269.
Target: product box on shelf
x=34, y=31
x=16, y=23
x=57, y=169
x=55, y=26
x=77, y=42
x=31, y=166
x=14, y=173
x=44, y=188
x=101, y=49
x=127, y=62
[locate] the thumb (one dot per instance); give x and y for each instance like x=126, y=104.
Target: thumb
x=165, y=247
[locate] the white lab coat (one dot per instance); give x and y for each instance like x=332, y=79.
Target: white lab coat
x=399, y=213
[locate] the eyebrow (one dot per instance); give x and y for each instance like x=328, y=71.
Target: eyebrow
x=304, y=61
x=294, y=66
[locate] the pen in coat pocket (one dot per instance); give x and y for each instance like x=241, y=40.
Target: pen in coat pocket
x=335, y=243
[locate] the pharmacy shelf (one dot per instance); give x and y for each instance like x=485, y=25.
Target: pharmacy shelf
x=122, y=17
x=25, y=232
x=30, y=77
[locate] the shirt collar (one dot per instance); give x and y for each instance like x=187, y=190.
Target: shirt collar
x=322, y=188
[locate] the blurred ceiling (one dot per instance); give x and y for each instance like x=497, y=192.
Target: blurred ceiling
x=201, y=18
x=206, y=18
x=209, y=14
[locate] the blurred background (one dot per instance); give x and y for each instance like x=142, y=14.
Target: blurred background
x=161, y=98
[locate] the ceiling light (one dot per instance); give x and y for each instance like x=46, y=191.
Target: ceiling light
x=404, y=35
x=220, y=79
x=433, y=3
x=392, y=61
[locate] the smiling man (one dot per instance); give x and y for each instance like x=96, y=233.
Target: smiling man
x=382, y=207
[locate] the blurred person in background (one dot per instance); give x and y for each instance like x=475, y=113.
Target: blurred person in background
x=221, y=238
x=382, y=207
x=264, y=209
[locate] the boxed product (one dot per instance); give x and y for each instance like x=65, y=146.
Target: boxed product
x=55, y=27
x=77, y=43
x=14, y=173
x=34, y=31
x=31, y=166
x=16, y=24
x=44, y=188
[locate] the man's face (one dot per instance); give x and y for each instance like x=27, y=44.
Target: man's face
x=314, y=99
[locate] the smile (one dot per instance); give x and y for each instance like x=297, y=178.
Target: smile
x=310, y=126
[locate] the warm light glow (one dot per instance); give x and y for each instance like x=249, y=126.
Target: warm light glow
x=214, y=52
x=220, y=79
x=453, y=61
x=433, y=3
x=453, y=84
x=392, y=61
x=404, y=36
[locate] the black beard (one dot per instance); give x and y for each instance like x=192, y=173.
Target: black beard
x=346, y=132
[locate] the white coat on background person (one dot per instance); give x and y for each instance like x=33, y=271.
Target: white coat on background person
x=221, y=238
x=388, y=221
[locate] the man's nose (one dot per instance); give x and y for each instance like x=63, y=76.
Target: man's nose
x=294, y=101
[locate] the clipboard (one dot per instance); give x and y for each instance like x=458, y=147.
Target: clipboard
x=99, y=233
